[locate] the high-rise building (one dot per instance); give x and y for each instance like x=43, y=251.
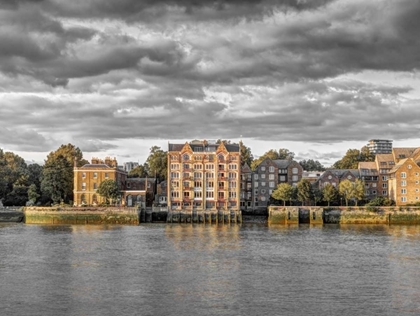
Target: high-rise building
x=204, y=176
x=380, y=146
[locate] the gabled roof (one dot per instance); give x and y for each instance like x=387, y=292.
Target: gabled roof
x=175, y=147
x=282, y=163
x=402, y=153
x=245, y=168
x=398, y=165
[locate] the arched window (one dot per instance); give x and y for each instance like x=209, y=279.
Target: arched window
x=186, y=157
x=83, y=199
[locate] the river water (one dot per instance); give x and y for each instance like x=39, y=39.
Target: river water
x=177, y=269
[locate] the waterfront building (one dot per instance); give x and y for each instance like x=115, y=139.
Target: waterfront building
x=369, y=175
x=335, y=176
x=380, y=146
x=203, y=175
x=246, y=188
x=88, y=178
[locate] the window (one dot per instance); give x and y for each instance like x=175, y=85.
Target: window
x=95, y=186
x=263, y=184
x=271, y=176
x=295, y=178
x=175, y=184
x=403, y=175
x=263, y=176
x=221, y=195
x=256, y=192
x=232, y=195
x=403, y=191
x=295, y=170
x=403, y=199
x=384, y=192
x=84, y=175
x=403, y=183
x=255, y=177
x=262, y=168
x=232, y=175
x=232, y=184
x=210, y=194
x=209, y=166
x=186, y=194
x=271, y=184
x=384, y=185
x=175, y=194
x=95, y=175
x=233, y=166
x=198, y=174
x=282, y=178
x=409, y=167
x=271, y=169
x=174, y=166
x=186, y=157
x=186, y=166
x=210, y=175
x=210, y=184
x=373, y=185
x=197, y=184
x=186, y=175
x=174, y=174
x=256, y=184
x=84, y=186
x=384, y=178
x=197, y=166
x=186, y=184
x=198, y=194
x=221, y=185
x=262, y=198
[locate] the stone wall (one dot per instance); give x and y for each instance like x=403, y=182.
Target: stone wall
x=344, y=215
x=82, y=215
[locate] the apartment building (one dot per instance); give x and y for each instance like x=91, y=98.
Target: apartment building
x=380, y=146
x=264, y=180
x=335, y=176
x=203, y=175
x=246, y=188
x=370, y=176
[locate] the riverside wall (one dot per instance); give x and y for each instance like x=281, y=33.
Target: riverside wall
x=82, y=215
x=344, y=215
x=205, y=217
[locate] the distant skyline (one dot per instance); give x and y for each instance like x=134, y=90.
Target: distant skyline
x=115, y=78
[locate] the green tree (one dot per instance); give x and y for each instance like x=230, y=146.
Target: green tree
x=246, y=155
x=57, y=179
x=346, y=189
x=317, y=195
x=139, y=171
x=57, y=173
x=359, y=190
x=329, y=193
x=304, y=191
x=33, y=194
x=353, y=157
x=311, y=165
x=283, y=192
x=109, y=190
x=271, y=154
x=157, y=162
x=286, y=154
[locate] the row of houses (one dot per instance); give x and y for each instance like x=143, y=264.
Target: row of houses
x=203, y=175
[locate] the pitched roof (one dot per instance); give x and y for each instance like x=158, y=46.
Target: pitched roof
x=282, y=163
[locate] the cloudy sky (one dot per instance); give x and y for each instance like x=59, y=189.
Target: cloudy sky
x=117, y=77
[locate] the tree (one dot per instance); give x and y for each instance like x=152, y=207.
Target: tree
x=33, y=194
x=329, y=193
x=246, y=155
x=57, y=175
x=317, y=195
x=304, y=191
x=353, y=157
x=57, y=179
x=157, y=162
x=346, y=189
x=286, y=154
x=283, y=192
x=359, y=190
x=109, y=190
x=139, y=171
x=311, y=165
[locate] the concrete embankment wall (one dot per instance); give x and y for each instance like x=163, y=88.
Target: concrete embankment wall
x=82, y=215
x=344, y=215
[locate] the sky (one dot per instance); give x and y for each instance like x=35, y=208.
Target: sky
x=115, y=78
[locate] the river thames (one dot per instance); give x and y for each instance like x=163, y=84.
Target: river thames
x=177, y=269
